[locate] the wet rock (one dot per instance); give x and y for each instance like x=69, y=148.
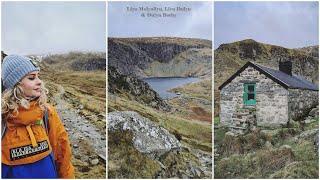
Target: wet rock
x=149, y=138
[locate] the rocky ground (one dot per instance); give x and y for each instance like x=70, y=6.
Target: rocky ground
x=163, y=153
x=88, y=142
x=180, y=128
x=288, y=152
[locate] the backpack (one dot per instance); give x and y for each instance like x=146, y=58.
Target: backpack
x=45, y=120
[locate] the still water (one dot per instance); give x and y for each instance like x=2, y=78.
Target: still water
x=162, y=84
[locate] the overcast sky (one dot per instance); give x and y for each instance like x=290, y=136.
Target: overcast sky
x=52, y=27
x=288, y=24
x=196, y=23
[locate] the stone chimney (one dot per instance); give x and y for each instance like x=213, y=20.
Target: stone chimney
x=286, y=67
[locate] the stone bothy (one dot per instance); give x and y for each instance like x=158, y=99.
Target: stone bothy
x=260, y=96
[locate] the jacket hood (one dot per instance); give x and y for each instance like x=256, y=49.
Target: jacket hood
x=27, y=116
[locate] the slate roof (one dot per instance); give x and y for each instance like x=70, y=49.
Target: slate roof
x=285, y=80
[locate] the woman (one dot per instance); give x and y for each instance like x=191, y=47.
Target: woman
x=29, y=148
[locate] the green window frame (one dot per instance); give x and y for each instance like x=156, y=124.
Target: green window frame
x=249, y=94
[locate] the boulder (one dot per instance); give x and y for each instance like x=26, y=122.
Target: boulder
x=314, y=112
x=148, y=137
x=94, y=162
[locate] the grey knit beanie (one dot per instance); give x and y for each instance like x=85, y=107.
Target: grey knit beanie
x=14, y=68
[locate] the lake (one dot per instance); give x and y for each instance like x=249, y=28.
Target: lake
x=162, y=84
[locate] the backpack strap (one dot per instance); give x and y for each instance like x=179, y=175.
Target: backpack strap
x=46, y=120
x=3, y=128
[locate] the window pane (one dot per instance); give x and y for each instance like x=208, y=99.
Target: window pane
x=250, y=96
x=251, y=88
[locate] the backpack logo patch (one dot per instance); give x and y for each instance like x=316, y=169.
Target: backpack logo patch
x=27, y=151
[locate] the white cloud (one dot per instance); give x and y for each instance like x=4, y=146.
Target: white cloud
x=194, y=24
x=51, y=27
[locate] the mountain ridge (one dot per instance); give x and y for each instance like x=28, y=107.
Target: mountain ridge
x=160, y=56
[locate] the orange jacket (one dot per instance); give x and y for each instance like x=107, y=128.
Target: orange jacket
x=26, y=141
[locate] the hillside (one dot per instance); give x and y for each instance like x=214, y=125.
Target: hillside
x=310, y=50
x=228, y=58
x=160, y=56
x=77, y=61
x=77, y=86
x=137, y=114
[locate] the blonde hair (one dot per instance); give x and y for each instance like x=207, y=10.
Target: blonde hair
x=12, y=99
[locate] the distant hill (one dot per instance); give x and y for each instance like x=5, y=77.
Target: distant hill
x=228, y=58
x=160, y=56
x=311, y=50
x=77, y=61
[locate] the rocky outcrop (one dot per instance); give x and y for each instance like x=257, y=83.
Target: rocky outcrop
x=138, y=89
x=126, y=58
x=311, y=50
x=312, y=116
x=148, y=137
x=191, y=62
x=89, y=65
x=135, y=56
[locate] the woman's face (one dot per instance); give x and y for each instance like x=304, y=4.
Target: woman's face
x=31, y=85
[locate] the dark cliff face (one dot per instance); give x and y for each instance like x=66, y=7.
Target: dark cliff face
x=127, y=58
x=133, y=56
x=138, y=89
x=164, y=52
x=90, y=64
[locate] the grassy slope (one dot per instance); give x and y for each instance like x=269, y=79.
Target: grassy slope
x=248, y=157
x=195, y=133
x=195, y=102
x=167, y=40
x=125, y=161
x=84, y=91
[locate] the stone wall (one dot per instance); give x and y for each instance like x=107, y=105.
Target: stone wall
x=301, y=102
x=271, y=98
